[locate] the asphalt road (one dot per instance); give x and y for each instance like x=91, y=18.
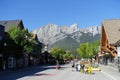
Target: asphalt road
x=65, y=73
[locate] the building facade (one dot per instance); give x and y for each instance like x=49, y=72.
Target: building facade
x=1, y=46
x=8, y=61
x=110, y=37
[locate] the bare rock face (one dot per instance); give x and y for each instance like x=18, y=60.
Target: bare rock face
x=52, y=33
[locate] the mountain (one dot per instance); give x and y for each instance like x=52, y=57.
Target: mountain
x=67, y=37
x=52, y=33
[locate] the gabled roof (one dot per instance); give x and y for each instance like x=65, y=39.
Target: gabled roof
x=11, y=23
x=112, y=30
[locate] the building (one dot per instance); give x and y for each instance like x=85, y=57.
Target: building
x=110, y=37
x=1, y=39
x=6, y=25
x=36, y=54
x=12, y=23
x=1, y=46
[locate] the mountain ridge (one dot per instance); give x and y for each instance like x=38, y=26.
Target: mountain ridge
x=52, y=33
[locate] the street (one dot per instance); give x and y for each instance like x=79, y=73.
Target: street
x=65, y=73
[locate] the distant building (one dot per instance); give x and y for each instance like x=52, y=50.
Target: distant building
x=38, y=50
x=46, y=47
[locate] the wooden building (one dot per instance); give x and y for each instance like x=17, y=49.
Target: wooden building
x=110, y=37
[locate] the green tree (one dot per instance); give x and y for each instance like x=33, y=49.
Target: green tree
x=22, y=38
x=17, y=42
x=28, y=41
x=57, y=53
x=84, y=50
x=11, y=48
x=67, y=55
x=87, y=50
x=95, y=46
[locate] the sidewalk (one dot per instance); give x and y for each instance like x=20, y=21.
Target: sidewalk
x=112, y=65
x=8, y=71
x=110, y=71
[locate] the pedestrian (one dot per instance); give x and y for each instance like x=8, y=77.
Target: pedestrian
x=73, y=64
x=82, y=68
x=78, y=67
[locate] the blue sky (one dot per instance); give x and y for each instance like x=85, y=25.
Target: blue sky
x=37, y=13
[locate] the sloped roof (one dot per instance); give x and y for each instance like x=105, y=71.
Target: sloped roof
x=112, y=29
x=11, y=23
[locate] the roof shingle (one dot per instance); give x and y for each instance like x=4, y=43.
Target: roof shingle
x=112, y=29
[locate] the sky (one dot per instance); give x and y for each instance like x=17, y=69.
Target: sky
x=37, y=13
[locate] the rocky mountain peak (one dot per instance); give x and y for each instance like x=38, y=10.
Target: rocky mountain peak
x=73, y=28
x=69, y=29
x=52, y=33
